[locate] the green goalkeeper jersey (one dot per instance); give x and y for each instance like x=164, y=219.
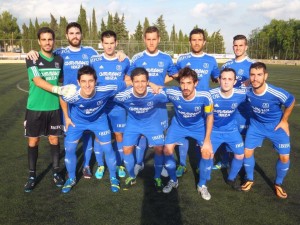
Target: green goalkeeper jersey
x=49, y=69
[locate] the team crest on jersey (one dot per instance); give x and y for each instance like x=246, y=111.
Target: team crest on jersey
x=161, y=64
x=241, y=72
x=265, y=105
x=150, y=103
x=56, y=64
x=197, y=108
x=119, y=68
x=84, y=56
x=205, y=65
x=99, y=102
x=234, y=105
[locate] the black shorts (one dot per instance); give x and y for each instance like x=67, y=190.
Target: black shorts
x=43, y=123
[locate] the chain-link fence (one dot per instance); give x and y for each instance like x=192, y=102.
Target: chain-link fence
x=257, y=49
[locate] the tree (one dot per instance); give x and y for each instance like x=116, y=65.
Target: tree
x=82, y=20
x=9, y=30
x=103, y=26
x=53, y=24
x=277, y=40
x=173, y=36
x=160, y=24
x=61, y=34
x=138, y=34
x=146, y=24
x=94, y=30
x=123, y=33
x=110, y=22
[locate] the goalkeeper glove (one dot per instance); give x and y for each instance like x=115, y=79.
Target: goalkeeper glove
x=67, y=90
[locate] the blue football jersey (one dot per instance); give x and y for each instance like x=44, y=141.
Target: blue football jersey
x=204, y=65
x=225, y=108
x=90, y=109
x=141, y=108
x=73, y=61
x=109, y=70
x=190, y=113
x=158, y=65
x=241, y=68
x=267, y=106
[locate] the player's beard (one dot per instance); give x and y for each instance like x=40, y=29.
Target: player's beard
x=75, y=44
x=197, y=50
x=259, y=86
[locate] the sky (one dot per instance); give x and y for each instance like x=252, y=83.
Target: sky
x=230, y=17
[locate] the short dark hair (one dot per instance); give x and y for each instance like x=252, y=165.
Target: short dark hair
x=139, y=71
x=227, y=70
x=108, y=34
x=43, y=30
x=151, y=29
x=240, y=37
x=187, y=72
x=86, y=70
x=197, y=31
x=258, y=65
x=73, y=24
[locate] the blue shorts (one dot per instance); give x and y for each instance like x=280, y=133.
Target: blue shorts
x=176, y=133
x=99, y=127
x=233, y=140
x=117, y=119
x=257, y=132
x=153, y=131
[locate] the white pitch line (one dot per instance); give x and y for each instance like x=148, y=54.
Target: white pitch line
x=19, y=87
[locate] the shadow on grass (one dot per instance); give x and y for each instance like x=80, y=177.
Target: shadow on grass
x=158, y=208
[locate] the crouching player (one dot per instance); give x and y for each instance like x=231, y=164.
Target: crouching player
x=87, y=112
x=226, y=100
x=142, y=119
x=193, y=118
x=269, y=121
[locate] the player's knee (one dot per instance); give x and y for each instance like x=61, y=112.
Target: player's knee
x=53, y=140
x=119, y=136
x=127, y=150
x=284, y=158
x=239, y=157
x=248, y=153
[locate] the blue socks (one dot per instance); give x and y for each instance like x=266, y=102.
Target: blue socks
x=281, y=171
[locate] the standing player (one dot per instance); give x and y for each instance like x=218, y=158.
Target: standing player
x=269, y=121
x=110, y=70
x=241, y=64
x=160, y=68
x=193, y=118
x=87, y=112
x=42, y=113
x=206, y=68
x=226, y=100
x=143, y=119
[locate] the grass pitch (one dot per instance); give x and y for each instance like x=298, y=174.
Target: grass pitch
x=92, y=202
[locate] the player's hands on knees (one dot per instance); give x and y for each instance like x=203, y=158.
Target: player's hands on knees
x=285, y=126
x=32, y=55
x=207, y=150
x=68, y=122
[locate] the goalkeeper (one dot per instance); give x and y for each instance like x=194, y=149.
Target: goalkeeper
x=42, y=112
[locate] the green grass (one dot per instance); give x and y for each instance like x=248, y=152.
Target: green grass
x=92, y=202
